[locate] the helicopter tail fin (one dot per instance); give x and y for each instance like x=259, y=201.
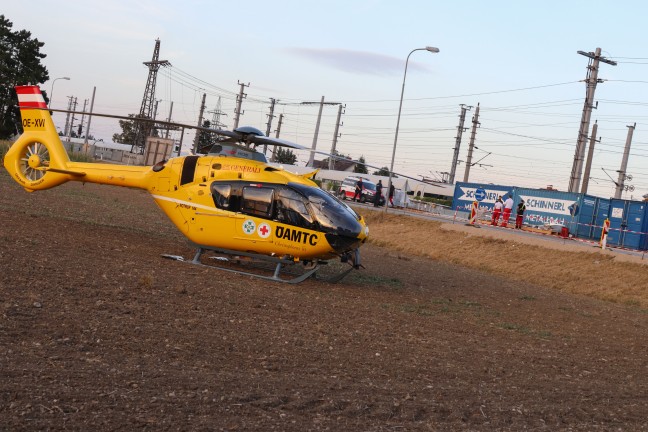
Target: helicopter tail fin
x=37, y=160
x=310, y=175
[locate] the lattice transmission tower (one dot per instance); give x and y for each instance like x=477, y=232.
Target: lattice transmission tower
x=143, y=129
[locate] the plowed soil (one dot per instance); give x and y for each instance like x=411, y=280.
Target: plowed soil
x=99, y=332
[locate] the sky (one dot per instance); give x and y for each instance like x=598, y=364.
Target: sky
x=517, y=59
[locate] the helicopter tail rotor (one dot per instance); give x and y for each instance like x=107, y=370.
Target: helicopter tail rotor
x=37, y=160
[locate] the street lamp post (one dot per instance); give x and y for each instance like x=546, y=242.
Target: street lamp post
x=400, y=106
x=51, y=93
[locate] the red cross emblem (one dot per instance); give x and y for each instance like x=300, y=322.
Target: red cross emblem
x=264, y=230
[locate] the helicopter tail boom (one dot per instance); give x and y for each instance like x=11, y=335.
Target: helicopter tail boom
x=38, y=160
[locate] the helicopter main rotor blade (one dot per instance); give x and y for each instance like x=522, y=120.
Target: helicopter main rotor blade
x=240, y=136
x=249, y=138
x=394, y=173
x=222, y=132
x=276, y=142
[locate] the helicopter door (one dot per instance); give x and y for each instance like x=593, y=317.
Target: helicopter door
x=256, y=202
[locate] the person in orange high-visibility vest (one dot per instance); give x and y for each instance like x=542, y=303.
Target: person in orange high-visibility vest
x=497, y=210
x=508, y=207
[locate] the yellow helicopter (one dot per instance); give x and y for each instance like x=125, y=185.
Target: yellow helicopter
x=229, y=201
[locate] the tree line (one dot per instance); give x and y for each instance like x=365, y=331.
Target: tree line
x=20, y=64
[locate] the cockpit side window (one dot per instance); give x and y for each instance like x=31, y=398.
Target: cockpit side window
x=290, y=208
x=257, y=201
x=330, y=214
x=284, y=204
x=221, y=193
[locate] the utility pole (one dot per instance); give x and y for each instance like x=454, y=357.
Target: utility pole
x=166, y=135
x=155, y=111
x=80, y=130
x=311, y=159
x=273, y=101
x=239, y=101
x=591, y=81
x=182, y=131
x=67, y=117
x=278, y=131
x=460, y=130
x=85, y=141
x=71, y=128
x=475, y=122
x=624, y=163
x=200, y=121
x=590, y=156
x=338, y=123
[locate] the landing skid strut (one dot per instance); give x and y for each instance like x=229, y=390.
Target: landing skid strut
x=281, y=265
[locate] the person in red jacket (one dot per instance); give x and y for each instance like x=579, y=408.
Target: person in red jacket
x=497, y=210
x=508, y=208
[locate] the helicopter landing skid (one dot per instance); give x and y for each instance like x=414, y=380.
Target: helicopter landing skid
x=281, y=265
x=335, y=278
x=238, y=257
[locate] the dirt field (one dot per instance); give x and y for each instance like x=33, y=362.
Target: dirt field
x=98, y=332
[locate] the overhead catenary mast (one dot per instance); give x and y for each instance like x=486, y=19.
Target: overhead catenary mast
x=591, y=81
x=239, y=102
x=336, y=135
x=273, y=101
x=143, y=129
x=216, y=115
x=620, y=184
x=321, y=103
x=460, y=130
x=200, y=124
x=590, y=156
x=473, y=133
x=277, y=132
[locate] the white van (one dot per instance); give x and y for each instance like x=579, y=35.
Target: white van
x=347, y=190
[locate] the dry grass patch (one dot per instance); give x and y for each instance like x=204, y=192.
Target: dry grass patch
x=593, y=274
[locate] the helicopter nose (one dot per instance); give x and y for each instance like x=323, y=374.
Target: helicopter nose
x=364, y=233
x=341, y=243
